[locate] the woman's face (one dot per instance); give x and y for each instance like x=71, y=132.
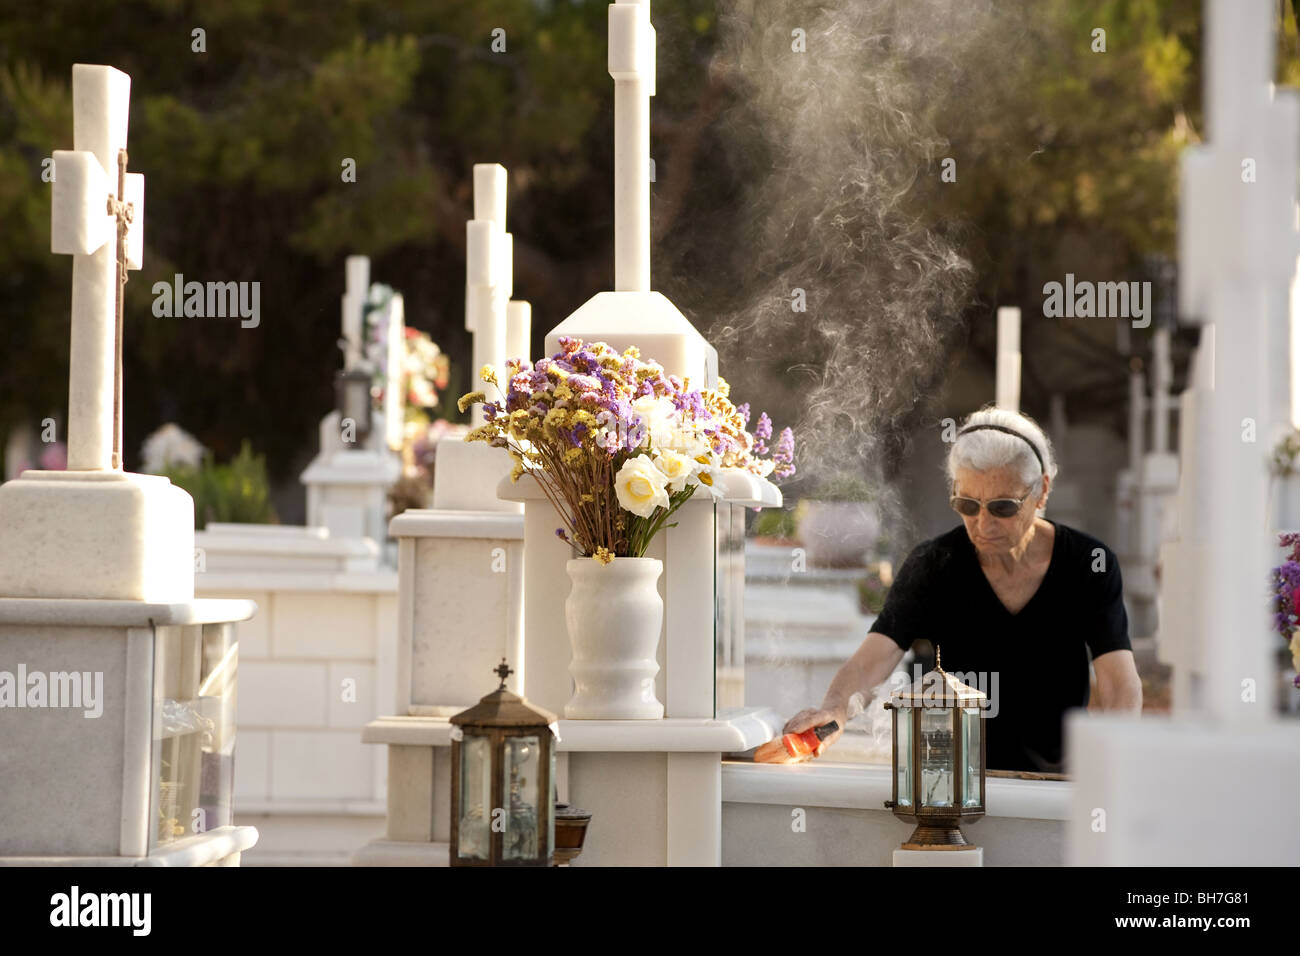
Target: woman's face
x=989, y=534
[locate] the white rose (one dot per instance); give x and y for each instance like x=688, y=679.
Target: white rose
x=688, y=441
x=640, y=486
x=677, y=468
x=660, y=416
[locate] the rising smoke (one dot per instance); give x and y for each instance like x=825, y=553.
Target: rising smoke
x=827, y=154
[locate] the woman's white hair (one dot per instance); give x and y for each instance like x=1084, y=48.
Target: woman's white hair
x=988, y=449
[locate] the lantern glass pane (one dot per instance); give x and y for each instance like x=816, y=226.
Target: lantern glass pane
x=903, y=721
x=971, y=730
x=521, y=771
x=474, y=835
x=550, y=817
x=936, y=757
x=728, y=603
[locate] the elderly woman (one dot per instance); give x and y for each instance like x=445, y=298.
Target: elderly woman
x=1014, y=597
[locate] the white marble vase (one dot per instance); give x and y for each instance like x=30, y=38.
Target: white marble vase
x=614, y=614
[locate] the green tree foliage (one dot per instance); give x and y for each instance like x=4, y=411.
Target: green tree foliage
x=1066, y=161
x=242, y=147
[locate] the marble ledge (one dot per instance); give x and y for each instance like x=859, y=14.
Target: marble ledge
x=855, y=786
x=204, y=849
x=449, y=523
x=352, y=582
x=305, y=807
x=731, y=732
x=398, y=853
x=105, y=613
x=285, y=539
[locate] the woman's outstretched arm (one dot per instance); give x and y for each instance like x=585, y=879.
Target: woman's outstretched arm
x=869, y=666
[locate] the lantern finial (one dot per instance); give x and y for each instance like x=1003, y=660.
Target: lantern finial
x=502, y=671
x=938, y=665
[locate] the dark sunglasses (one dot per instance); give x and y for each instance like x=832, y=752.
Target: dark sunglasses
x=998, y=507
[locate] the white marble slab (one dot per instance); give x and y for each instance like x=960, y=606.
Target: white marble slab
x=431, y=523
x=122, y=613
x=731, y=732
x=867, y=787
x=205, y=849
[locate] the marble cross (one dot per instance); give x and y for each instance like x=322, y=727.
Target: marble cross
x=1237, y=255
x=97, y=217
x=632, y=47
x=394, y=366
x=1007, y=384
x=356, y=291
x=489, y=272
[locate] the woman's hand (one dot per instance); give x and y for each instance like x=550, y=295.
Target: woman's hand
x=816, y=717
x=870, y=665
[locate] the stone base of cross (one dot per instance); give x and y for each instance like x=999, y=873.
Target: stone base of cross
x=103, y=535
x=95, y=531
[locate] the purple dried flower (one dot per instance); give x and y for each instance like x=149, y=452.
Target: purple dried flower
x=762, y=432
x=784, y=454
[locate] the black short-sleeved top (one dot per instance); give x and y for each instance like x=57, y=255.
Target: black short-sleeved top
x=1034, y=664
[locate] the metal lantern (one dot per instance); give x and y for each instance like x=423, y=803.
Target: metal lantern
x=939, y=747
x=502, y=782
x=352, y=396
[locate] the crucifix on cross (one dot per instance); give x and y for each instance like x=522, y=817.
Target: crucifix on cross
x=89, y=211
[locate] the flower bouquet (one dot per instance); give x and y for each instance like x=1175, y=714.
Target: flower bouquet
x=1286, y=590
x=618, y=445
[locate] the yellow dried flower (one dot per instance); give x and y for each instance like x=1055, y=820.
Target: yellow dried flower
x=603, y=555
x=470, y=398
x=632, y=352
x=488, y=374
x=723, y=388
x=482, y=433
